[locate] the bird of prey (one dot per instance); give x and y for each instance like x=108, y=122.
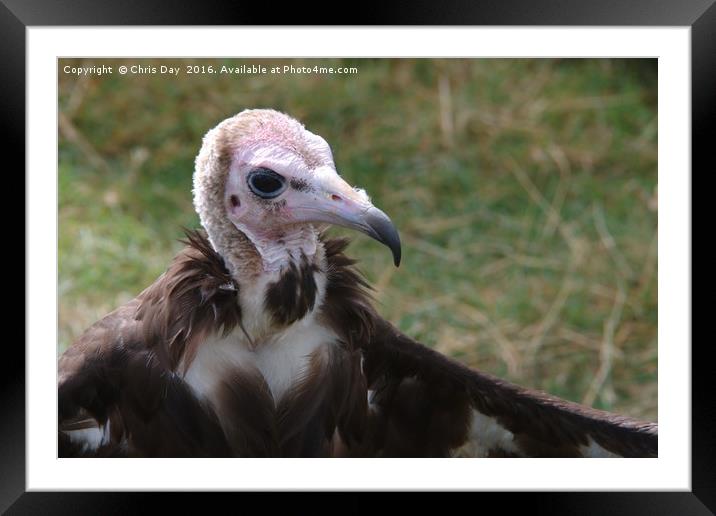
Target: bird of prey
x=260, y=338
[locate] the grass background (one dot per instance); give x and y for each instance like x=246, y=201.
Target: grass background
x=524, y=192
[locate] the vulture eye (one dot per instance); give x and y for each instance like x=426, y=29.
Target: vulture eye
x=266, y=183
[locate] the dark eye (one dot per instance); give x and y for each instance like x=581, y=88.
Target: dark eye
x=266, y=183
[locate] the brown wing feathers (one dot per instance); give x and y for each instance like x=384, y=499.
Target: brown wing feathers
x=423, y=402
x=401, y=370
x=110, y=378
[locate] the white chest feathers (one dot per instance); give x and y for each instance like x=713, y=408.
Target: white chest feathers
x=281, y=359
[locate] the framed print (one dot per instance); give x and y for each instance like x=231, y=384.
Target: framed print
x=515, y=165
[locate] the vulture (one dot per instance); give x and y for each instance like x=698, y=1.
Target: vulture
x=260, y=339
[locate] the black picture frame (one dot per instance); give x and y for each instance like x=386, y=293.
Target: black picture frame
x=17, y=15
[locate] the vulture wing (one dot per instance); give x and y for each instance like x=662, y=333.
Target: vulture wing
x=119, y=392
x=425, y=404
x=110, y=381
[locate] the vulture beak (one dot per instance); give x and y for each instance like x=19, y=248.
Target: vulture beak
x=329, y=199
x=376, y=224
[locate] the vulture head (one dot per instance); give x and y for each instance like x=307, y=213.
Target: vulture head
x=264, y=186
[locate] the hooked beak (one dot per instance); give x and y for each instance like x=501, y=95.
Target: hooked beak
x=377, y=225
x=331, y=200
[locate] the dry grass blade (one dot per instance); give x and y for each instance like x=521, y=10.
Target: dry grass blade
x=606, y=355
x=447, y=125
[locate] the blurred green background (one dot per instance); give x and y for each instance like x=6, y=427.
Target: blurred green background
x=524, y=191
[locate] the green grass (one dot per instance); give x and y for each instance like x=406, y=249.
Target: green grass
x=524, y=192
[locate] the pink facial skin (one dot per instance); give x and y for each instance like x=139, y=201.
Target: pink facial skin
x=313, y=195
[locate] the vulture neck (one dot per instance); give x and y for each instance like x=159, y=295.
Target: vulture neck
x=280, y=281
x=250, y=256
x=292, y=245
